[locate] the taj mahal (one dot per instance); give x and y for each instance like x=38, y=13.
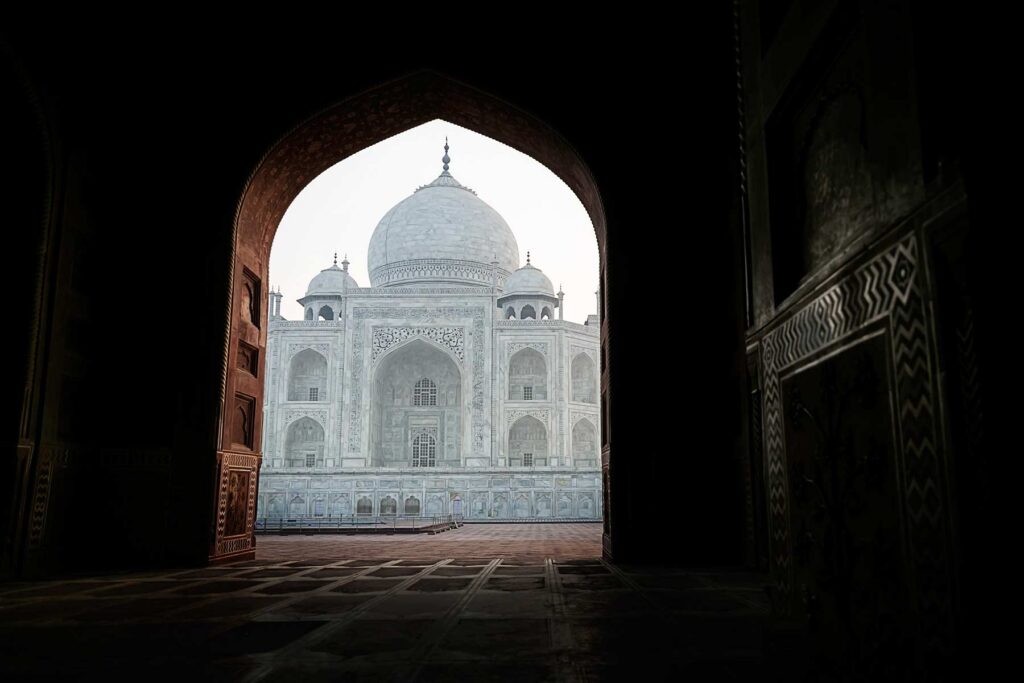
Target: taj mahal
x=451, y=385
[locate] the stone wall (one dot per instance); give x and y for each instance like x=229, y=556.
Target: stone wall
x=388, y=339
x=488, y=494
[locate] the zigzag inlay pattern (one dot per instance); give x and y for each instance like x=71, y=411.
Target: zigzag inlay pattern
x=924, y=501
x=888, y=287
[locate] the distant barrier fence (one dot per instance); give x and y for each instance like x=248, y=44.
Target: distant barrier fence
x=395, y=523
x=369, y=523
x=532, y=520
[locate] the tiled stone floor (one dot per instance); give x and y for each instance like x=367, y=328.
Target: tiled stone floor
x=566, y=541
x=403, y=612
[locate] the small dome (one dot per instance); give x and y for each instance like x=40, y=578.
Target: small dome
x=331, y=280
x=528, y=280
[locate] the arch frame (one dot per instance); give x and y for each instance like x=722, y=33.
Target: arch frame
x=576, y=424
x=286, y=441
x=376, y=363
x=299, y=156
x=365, y=321
x=289, y=366
x=541, y=349
x=547, y=441
x=375, y=367
x=299, y=418
x=593, y=381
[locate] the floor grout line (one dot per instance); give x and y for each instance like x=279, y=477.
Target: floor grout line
x=659, y=608
x=333, y=626
x=284, y=599
x=421, y=636
x=561, y=634
x=449, y=620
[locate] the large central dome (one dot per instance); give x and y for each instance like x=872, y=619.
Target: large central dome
x=441, y=235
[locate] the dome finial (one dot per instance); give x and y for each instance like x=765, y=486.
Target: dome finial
x=335, y=258
x=445, y=158
x=527, y=258
x=344, y=262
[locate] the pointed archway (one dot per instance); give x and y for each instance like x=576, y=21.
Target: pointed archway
x=292, y=163
x=417, y=391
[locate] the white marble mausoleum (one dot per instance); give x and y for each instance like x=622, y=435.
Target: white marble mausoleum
x=451, y=384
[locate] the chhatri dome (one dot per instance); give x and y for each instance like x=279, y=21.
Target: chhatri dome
x=443, y=234
x=333, y=280
x=529, y=280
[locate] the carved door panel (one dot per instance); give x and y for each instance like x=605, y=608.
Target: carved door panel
x=238, y=454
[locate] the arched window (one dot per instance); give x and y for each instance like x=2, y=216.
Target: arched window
x=309, y=314
x=584, y=379
x=527, y=376
x=545, y=314
x=521, y=508
x=388, y=506
x=435, y=505
x=326, y=313
x=412, y=505
x=528, y=313
x=424, y=451
x=424, y=393
x=304, y=444
x=307, y=372
x=528, y=443
x=364, y=506
x=565, y=506
x=510, y=314
x=586, y=507
x=584, y=444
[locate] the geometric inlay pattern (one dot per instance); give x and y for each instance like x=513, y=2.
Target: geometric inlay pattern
x=323, y=349
x=542, y=347
x=318, y=415
x=432, y=269
x=575, y=350
x=451, y=338
x=541, y=414
x=575, y=416
x=888, y=288
x=236, y=462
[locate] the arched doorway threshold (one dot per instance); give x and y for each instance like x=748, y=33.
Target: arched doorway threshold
x=292, y=163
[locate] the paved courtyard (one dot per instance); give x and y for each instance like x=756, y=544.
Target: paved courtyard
x=537, y=541
x=481, y=603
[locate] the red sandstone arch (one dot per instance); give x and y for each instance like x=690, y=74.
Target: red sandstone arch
x=292, y=163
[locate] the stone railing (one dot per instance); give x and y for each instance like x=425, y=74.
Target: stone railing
x=433, y=472
x=306, y=324
x=549, y=324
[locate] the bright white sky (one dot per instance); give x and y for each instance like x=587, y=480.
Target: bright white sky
x=339, y=210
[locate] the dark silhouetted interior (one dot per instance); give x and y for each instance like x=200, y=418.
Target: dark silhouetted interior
x=800, y=232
